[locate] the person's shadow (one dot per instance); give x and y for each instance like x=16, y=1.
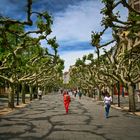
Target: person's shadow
x=113, y=116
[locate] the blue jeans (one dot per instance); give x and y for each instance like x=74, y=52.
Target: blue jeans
x=107, y=108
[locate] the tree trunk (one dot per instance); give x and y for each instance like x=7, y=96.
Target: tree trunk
x=94, y=94
x=118, y=87
x=112, y=92
x=17, y=93
x=31, y=92
x=99, y=95
x=11, y=97
x=132, y=105
x=23, y=93
x=88, y=93
x=45, y=90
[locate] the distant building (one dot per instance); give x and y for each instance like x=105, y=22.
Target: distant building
x=66, y=77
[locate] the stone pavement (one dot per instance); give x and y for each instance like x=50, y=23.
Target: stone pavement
x=46, y=120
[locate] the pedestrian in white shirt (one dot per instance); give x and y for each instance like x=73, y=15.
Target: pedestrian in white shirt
x=107, y=103
x=138, y=95
x=40, y=94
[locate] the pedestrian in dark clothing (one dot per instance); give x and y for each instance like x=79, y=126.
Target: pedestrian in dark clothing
x=75, y=93
x=80, y=94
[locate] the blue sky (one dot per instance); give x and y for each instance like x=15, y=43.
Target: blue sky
x=73, y=22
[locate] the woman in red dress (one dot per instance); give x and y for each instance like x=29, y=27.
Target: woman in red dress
x=66, y=100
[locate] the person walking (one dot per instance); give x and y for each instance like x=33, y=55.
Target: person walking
x=79, y=94
x=138, y=94
x=107, y=104
x=75, y=93
x=40, y=93
x=66, y=100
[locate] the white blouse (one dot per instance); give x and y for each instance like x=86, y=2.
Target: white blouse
x=107, y=100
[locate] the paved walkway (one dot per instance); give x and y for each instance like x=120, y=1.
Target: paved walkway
x=46, y=120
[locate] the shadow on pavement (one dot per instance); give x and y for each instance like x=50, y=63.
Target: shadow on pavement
x=115, y=116
x=46, y=120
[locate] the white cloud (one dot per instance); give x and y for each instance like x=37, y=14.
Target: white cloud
x=71, y=57
x=77, y=22
x=75, y=25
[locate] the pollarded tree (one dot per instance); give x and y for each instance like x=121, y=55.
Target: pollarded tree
x=85, y=76
x=14, y=44
x=126, y=36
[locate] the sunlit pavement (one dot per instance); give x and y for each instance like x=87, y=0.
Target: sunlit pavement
x=46, y=120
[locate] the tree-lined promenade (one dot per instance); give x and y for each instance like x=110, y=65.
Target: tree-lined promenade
x=25, y=66
x=46, y=120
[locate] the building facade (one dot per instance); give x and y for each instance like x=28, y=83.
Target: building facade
x=136, y=5
x=66, y=77
x=126, y=44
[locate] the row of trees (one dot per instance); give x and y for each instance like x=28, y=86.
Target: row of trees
x=121, y=64
x=23, y=62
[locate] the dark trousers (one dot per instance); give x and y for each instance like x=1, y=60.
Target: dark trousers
x=107, y=108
